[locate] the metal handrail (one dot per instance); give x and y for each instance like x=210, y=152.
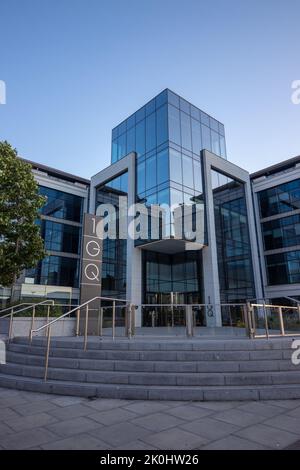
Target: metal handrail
x=274, y=306
x=188, y=305
x=13, y=306
x=33, y=306
x=282, y=310
x=78, y=307
x=48, y=325
x=28, y=308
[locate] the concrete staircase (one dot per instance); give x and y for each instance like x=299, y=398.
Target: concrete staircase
x=156, y=369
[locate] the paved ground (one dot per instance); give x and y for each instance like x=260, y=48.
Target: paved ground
x=38, y=421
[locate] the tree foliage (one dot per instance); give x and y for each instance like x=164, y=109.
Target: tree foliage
x=21, y=245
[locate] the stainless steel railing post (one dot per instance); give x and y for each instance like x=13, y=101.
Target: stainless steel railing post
x=32, y=320
x=281, y=321
x=47, y=353
x=114, y=320
x=10, y=324
x=77, y=322
x=86, y=328
x=48, y=316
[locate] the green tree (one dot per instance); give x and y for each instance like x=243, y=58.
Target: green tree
x=21, y=245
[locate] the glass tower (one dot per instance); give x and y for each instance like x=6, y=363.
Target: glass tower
x=168, y=135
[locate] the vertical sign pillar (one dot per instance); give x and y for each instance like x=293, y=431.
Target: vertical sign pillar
x=91, y=269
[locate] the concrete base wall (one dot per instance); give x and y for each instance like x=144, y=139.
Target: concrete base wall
x=22, y=326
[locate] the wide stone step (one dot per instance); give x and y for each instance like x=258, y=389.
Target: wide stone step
x=163, y=345
x=151, y=366
x=195, y=369
x=135, y=392
x=154, y=378
x=149, y=355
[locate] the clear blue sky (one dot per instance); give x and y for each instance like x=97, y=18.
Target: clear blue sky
x=76, y=68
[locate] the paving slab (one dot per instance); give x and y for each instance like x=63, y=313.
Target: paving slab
x=158, y=421
x=71, y=411
x=188, y=412
x=234, y=443
x=67, y=401
x=268, y=436
x=287, y=423
x=30, y=422
x=103, y=404
x=239, y=417
x=73, y=426
x=261, y=408
x=34, y=407
x=136, y=445
x=112, y=416
x=148, y=407
x=78, y=442
x=27, y=439
x=175, y=439
x=210, y=429
x=120, y=434
x=8, y=413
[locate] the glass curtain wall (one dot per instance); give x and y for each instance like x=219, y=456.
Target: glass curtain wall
x=114, y=251
x=60, y=225
x=170, y=279
x=233, y=241
x=281, y=232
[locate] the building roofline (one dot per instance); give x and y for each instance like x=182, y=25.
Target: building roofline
x=57, y=173
x=174, y=93
x=276, y=168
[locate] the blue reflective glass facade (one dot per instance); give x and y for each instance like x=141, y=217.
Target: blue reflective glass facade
x=61, y=205
x=114, y=251
x=168, y=134
x=281, y=232
x=283, y=268
x=233, y=240
x=60, y=225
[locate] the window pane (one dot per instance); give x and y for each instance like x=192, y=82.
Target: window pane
x=206, y=143
x=140, y=138
x=222, y=147
x=176, y=197
x=141, y=177
x=140, y=114
x=173, y=98
x=195, y=112
x=174, y=125
x=162, y=166
x=162, y=125
x=196, y=137
x=161, y=99
x=130, y=122
x=187, y=171
x=150, y=107
x=214, y=125
x=185, y=106
x=151, y=172
x=175, y=166
x=204, y=118
x=131, y=140
x=114, y=151
x=215, y=142
x=122, y=146
x=197, y=177
x=150, y=132
x=186, y=135
x=163, y=197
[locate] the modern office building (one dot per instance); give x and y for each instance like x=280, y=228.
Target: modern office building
x=276, y=195
x=57, y=275
x=171, y=152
